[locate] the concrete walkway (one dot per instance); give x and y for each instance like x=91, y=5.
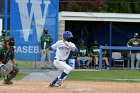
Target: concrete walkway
x=42, y=76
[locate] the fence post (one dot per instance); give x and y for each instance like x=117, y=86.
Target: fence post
x=100, y=59
x=5, y=16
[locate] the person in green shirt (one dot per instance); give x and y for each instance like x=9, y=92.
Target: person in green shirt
x=8, y=71
x=94, y=53
x=2, y=37
x=83, y=55
x=46, y=41
x=135, y=54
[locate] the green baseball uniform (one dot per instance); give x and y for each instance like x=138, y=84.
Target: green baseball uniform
x=6, y=54
x=2, y=38
x=8, y=71
x=47, y=39
x=83, y=56
x=134, y=42
x=83, y=51
x=94, y=50
x=135, y=54
x=2, y=51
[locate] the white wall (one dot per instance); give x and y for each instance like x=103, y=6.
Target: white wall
x=61, y=29
x=92, y=16
x=0, y=26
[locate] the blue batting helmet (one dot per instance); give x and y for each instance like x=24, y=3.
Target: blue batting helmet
x=67, y=34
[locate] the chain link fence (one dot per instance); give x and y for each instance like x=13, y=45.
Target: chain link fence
x=2, y=4
x=5, y=13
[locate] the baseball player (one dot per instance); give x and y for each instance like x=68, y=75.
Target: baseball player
x=63, y=49
x=2, y=37
x=46, y=41
x=83, y=55
x=134, y=42
x=7, y=70
x=94, y=53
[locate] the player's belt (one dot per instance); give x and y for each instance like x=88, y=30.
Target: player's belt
x=58, y=59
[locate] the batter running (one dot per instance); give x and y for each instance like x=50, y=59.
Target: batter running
x=63, y=48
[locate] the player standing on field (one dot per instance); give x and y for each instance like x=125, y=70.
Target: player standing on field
x=135, y=54
x=63, y=48
x=2, y=37
x=46, y=41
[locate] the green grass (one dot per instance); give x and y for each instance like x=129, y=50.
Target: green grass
x=111, y=75
x=19, y=76
x=26, y=65
x=105, y=75
x=23, y=65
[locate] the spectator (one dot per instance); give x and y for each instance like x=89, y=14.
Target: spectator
x=134, y=42
x=94, y=53
x=83, y=55
x=46, y=41
x=105, y=58
x=2, y=37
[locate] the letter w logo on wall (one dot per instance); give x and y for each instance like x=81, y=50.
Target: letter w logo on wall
x=30, y=9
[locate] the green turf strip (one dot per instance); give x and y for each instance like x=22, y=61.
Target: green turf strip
x=117, y=75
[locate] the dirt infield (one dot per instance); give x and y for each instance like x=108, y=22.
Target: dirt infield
x=70, y=87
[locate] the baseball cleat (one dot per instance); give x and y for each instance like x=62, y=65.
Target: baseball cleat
x=59, y=82
x=7, y=82
x=53, y=85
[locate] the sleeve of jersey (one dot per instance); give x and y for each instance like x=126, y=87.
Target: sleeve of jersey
x=73, y=45
x=54, y=46
x=41, y=39
x=129, y=43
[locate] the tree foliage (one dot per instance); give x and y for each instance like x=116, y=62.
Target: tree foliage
x=114, y=6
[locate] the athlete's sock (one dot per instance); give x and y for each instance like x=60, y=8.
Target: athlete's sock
x=62, y=75
x=55, y=81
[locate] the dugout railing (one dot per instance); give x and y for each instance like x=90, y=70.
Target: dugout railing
x=111, y=48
